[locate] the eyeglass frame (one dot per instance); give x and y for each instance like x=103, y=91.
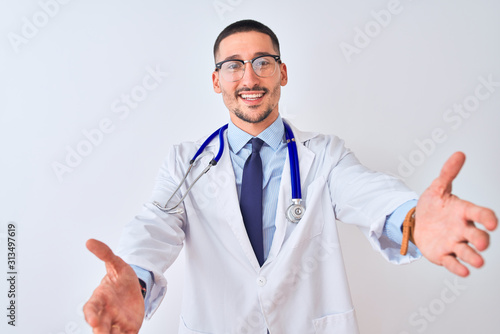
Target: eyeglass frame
x=277, y=58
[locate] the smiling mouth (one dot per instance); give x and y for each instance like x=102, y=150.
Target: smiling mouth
x=252, y=97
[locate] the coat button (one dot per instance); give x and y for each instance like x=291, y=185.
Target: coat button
x=261, y=281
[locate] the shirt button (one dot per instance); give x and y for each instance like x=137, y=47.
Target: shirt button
x=261, y=281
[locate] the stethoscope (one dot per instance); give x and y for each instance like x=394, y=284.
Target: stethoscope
x=293, y=213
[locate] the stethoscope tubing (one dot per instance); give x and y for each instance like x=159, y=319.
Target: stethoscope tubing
x=294, y=162
x=213, y=162
x=219, y=132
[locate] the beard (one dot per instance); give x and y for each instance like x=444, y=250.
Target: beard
x=259, y=117
x=250, y=117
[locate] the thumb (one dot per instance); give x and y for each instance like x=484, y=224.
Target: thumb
x=450, y=170
x=101, y=250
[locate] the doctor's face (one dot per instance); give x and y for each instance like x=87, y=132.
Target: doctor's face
x=252, y=100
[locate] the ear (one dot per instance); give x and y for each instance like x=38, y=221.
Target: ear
x=216, y=82
x=284, y=74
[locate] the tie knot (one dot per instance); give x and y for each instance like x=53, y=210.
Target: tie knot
x=256, y=144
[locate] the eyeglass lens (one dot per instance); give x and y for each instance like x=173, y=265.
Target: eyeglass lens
x=234, y=70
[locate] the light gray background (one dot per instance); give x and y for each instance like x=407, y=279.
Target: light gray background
x=394, y=92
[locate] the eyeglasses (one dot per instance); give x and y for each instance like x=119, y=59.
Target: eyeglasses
x=233, y=70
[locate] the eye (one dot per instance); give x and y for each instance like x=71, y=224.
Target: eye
x=262, y=62
x=232, y=66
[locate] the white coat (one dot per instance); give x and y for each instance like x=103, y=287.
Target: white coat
x=302, y=286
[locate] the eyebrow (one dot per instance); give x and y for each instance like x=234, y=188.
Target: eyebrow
x=238, y=57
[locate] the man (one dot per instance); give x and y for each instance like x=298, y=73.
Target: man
x=242, y=279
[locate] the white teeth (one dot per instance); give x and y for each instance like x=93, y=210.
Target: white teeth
x=251, y=96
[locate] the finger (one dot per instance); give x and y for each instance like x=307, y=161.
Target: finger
x=479, y=214
x=103, y=328
x=450, y=170
x=478, y=238
x=100, y=249
x=115, y=329
x=95, y=316
x=114, y=264
x=468, y=255
x=90, y=312
x=104, y=253
x=451, y=263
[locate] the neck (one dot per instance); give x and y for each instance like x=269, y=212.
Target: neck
x=254, y=128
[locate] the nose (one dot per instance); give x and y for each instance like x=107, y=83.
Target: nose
x=250, y=78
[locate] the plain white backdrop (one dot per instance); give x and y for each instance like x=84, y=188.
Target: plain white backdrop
x=405, y=83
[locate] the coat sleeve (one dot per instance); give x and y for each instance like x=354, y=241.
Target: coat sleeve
x=153, y=239
x=367, y=198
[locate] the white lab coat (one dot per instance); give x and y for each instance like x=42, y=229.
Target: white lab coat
x=302, y=287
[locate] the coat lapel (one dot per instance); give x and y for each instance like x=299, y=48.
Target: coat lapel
x=228, y=204
x=306, y=158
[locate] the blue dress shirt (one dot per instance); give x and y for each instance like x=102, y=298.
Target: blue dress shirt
x=273, y=155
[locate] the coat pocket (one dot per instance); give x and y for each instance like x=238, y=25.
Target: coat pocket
x=184, y=329
x=338, y=323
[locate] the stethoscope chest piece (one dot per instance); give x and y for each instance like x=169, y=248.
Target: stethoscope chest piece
x=295, y=212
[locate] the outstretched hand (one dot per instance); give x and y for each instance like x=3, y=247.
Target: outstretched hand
x=445, y=228
x=117, y=305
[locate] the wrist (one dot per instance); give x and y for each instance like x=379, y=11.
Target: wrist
x=143, y=288
x=408, y=231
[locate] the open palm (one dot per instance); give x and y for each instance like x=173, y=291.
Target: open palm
x=445, y=229
x=117, y=305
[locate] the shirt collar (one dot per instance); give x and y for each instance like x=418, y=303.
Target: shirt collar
x=272, y=135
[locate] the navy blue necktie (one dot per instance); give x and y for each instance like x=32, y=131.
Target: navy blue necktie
x=251, y=199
